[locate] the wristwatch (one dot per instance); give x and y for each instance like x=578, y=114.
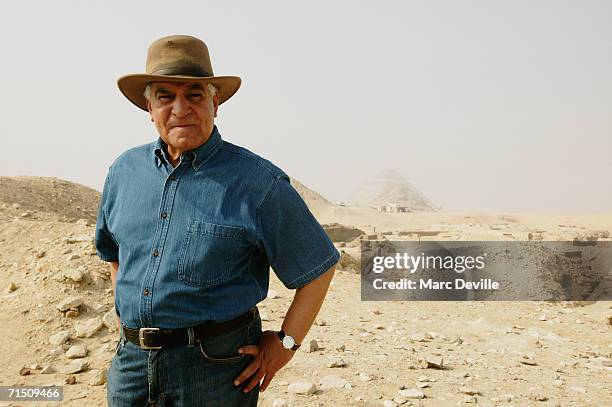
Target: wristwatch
x=288, y=341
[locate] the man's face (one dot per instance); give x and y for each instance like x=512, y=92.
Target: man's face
x=183, y=113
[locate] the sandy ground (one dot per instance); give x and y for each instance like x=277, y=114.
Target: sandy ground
x=494, y=353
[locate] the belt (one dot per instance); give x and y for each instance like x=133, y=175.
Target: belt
x=157, y=338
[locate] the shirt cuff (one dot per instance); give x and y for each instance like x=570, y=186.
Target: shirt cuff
x=316, y=272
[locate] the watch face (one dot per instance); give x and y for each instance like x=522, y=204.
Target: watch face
x=288, y=342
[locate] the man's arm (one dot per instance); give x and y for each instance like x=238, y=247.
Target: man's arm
x=114, y=268
x=270, y=355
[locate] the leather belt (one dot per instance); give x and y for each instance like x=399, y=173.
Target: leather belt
x=157, y=338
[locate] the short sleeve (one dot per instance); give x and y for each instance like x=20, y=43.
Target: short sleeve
x=106, y=246
x=296, y=245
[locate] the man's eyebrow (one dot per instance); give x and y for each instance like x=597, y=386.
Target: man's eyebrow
x=195, y=86
x=161, y=89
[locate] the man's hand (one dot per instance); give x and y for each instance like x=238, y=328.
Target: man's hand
x=270, y=357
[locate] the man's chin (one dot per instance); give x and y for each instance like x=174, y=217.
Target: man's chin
x=186, y=141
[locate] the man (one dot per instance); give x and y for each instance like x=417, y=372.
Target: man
x=191, y=225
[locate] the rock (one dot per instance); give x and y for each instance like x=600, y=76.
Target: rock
x=400, y=400
x=24, y=371
x=71, y=313
x=68, y=303
x=75, y=366
x=313, y=346
x=422, y=384
x=431, y=361
x=469, y=390
x=279, y=403
x=98, y=378
x=337, y=363
x=320, y=322
x=341, y=348
x=420, y=337
x=88, y=327
x=99, y=308
x=36, y=366
x=389, y=403
x=59, y=338
x=302, y=388
x=348, y=262
x=470, y=399
x=540, y=397
x=11, y=287
x=543, y=318
x=73, y=275
x=110, y=320
x=333, y=382
x=71, y=380
x=340, y=233
x=76, y=351
x=47, y=370
x=83, y=222
x=272, y=295
x=526, y=360
x=79, y=239
x=74, y=257
x=411, y=394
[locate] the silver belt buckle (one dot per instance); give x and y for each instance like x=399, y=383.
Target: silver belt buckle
x=141, y=333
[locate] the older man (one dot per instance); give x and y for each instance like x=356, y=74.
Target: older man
x=191, y=225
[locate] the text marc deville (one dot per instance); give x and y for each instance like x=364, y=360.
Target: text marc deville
x=431, y=284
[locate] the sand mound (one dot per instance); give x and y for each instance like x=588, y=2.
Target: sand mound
x=315, y=201
x=63, y=200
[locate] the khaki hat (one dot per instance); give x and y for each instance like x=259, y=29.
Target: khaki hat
x=176, y=58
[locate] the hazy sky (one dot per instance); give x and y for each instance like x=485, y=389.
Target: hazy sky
x=482, y=105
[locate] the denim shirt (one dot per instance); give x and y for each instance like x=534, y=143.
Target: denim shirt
x=195, y=242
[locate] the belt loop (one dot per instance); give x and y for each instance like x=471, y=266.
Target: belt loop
x=122, y=336
x=191, y=337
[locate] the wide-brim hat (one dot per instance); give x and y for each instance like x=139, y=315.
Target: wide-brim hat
x=176, y=58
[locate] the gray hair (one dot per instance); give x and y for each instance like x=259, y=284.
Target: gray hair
x=147, y=92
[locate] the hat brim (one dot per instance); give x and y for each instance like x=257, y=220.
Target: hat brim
x=132, y=86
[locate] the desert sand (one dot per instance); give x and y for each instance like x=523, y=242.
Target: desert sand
x=57, y=309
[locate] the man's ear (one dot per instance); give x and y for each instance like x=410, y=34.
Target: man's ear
x=149, y=108
x=216, y=103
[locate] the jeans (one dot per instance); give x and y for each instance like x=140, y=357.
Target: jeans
x=198, y=375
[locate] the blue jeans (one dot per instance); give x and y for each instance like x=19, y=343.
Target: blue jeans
x=198, y=375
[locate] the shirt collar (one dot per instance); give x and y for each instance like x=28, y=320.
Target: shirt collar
x=200, y=154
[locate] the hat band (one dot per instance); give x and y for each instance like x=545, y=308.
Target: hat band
x=183, y=70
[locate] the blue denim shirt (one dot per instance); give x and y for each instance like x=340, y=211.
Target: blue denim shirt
x=195, y=242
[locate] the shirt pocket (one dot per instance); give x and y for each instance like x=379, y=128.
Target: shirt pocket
x=208, y=253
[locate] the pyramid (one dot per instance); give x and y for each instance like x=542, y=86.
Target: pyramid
x=390, y=187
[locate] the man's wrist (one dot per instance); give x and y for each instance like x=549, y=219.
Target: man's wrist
x=287, y=341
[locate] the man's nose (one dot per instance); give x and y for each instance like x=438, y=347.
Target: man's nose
x=180, y=107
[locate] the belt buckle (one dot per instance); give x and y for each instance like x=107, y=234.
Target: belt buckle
x=141, y=333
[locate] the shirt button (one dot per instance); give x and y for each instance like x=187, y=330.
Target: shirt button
x=164, y=215
x=145, y=292
x=155, y=253
x=172, y=177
